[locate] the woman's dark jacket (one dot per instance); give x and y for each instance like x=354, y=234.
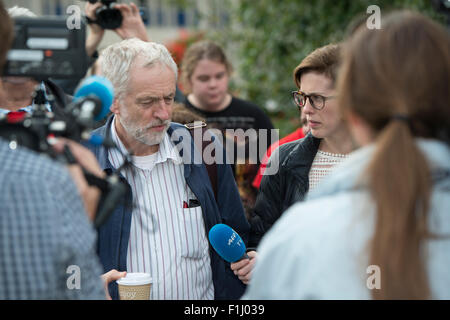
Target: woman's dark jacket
x=289, y=185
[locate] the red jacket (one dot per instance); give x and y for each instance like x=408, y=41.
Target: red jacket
x=297, y=134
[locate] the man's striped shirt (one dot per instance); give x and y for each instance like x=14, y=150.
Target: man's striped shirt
x=166, y=240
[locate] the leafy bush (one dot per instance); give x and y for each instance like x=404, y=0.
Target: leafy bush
x=269, y=38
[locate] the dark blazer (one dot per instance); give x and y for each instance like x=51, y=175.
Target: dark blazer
x=289, y=185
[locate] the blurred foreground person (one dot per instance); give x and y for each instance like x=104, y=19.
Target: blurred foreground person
x=379, y=228
x=47, y=244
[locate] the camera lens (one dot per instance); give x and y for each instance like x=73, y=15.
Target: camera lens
x=109, y=18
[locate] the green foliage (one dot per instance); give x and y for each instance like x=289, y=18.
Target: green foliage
x=181, y=3
x=269, y=38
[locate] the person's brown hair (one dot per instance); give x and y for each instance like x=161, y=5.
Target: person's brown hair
x=183, y=115
x=202, y=50
x=324, y=60
x=396, y=80
x=6, y=34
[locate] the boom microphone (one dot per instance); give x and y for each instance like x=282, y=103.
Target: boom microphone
x=227, y=243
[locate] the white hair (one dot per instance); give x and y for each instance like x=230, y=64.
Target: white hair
x=118, y=58
x=16, y=12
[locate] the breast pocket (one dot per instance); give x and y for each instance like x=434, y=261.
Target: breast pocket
x=194, y=244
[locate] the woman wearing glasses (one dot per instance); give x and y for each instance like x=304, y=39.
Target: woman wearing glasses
x=304, y=163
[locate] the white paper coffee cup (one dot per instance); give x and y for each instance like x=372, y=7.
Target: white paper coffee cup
x=135, y=286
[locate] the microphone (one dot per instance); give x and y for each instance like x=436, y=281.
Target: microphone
x=227, y=243
x=93, y=98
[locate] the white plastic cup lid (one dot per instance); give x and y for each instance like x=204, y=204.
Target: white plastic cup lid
x=135, y=279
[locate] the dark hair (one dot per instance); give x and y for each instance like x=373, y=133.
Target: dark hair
x=323, y=60
x=6, y=34
x=396, y=80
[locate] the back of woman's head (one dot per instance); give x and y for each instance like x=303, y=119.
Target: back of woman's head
x=401, y=69
x=396, y=80
x=201, y=50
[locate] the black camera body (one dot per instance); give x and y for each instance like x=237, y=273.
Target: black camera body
x=45, y=47
x=35, y=130
x=106, y=16
x=32, y=130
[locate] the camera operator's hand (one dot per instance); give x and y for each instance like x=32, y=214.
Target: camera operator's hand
x=132, y=24
x=86, y=160
x=97, y=32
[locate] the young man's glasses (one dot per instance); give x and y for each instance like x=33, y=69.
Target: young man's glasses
x=316, y=100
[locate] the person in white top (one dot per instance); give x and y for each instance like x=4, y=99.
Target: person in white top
x=379, y=226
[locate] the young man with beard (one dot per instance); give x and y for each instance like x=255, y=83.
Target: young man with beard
x=162, y=226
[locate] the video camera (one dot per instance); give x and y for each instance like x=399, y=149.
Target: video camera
x=45, y=47
x=91, y=103
x=107, y=17
x=35, y=131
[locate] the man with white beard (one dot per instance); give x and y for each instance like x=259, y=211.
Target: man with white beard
x=161, y=228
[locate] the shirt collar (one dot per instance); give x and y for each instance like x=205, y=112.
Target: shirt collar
x=168, y=151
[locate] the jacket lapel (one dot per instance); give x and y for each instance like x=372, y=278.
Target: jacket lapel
x=116, y=230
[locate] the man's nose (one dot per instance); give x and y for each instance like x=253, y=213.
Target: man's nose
x=163, y=111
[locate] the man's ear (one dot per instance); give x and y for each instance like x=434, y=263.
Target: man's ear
x=114, y=108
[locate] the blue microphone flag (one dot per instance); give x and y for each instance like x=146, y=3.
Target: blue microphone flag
x=227, y=243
